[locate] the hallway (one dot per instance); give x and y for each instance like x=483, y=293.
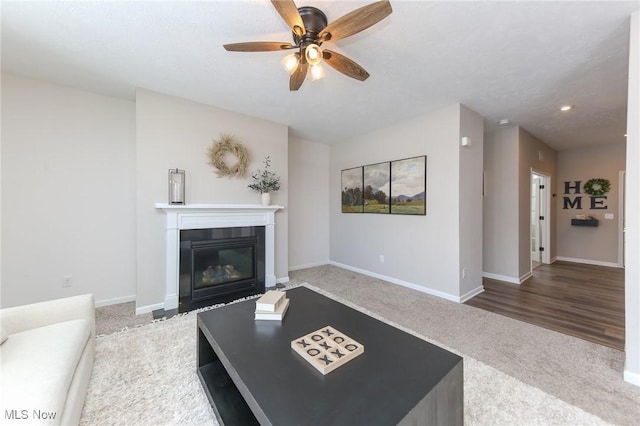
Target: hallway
x=584, y=301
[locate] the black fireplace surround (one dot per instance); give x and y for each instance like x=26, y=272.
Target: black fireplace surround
x=219, y=265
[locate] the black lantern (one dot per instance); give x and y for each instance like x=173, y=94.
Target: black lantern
x=176, y=186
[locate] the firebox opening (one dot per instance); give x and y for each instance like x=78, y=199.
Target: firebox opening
x=218, y=265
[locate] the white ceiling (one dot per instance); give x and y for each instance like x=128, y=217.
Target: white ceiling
x=506, y=60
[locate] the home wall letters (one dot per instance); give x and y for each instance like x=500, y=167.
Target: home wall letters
x=575, y=202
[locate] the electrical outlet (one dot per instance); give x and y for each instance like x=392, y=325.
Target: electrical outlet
x=66, y=281
x=381, y=258
x=464, y=273
x=608, y=215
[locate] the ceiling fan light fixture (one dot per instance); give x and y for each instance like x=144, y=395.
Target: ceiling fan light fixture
x=290, y=62
x=316, y=72
x=313, y=53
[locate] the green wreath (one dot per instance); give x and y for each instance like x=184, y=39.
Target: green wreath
x=597, y=187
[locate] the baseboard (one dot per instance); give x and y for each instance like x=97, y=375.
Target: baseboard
x=468, y=295
x=633, y=378
x=392, y=280
x=553, y=260
x=282, y=280
x=589, y=262
x=149, y=308
x=115, y=301
x=504, y=278
x=308, y=265
x=525, y=277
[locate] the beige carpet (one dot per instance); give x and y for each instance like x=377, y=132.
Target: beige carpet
x=110, y=319
x=514, y=372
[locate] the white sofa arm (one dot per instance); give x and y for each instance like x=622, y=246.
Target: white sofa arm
x=27, y=317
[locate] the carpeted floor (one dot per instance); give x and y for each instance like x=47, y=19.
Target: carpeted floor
x=514, y=372
x=110, y=319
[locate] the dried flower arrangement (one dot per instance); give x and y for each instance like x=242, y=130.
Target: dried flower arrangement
x=228, y=145
x=265, y=181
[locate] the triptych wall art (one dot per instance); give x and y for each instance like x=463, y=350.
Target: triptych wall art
x=392, y=187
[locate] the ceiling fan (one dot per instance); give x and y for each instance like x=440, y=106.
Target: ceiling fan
x=310, y=31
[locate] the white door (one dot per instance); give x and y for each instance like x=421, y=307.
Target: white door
x=540, y=219
x=535, y=220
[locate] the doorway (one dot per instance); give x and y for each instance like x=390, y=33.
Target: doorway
x=540, y=216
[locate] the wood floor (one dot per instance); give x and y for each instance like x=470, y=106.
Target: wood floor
x=584, y=301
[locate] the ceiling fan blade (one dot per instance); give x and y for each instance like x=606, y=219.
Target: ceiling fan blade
x=258, y=46
x=356, y=21
x=298, y=75
x=289, y=12
x=344, y=65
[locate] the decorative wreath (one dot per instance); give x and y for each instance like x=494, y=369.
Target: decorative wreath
x=228, y=145
x=597, y=187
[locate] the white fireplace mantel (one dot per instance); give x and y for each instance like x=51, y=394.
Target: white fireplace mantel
x=205, y=216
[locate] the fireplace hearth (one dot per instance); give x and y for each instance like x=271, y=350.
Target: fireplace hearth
x=219, y=265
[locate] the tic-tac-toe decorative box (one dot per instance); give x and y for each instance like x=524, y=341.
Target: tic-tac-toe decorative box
x=327, y=349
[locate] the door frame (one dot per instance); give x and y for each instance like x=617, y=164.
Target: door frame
x=545, y=230
x=622, y=178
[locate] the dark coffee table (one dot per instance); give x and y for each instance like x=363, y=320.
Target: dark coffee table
x=252, y=376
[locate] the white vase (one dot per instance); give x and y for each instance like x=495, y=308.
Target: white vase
x=266, y=198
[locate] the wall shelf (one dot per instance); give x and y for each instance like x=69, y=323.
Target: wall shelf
x=584, y=222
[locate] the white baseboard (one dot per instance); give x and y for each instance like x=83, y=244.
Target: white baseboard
x=525, y=277
x=553, y=260
x=282, y=280
x=115, y=301
x=392, y=280
x=589, y=262
x=633, y=378
x=308, y=265
x=504, y=278
x=149, y=308
x=468, y=295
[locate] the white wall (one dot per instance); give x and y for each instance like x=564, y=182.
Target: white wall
x=500, y=219
x=419, y=251
x=308, y=203
x=632, y=243
x=173, y=132
x=68, y=192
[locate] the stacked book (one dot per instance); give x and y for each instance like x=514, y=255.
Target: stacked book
x=272, y=306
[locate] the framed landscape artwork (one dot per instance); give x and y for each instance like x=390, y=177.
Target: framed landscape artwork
x=352, y=189
x=377, y=183
x=408, y=186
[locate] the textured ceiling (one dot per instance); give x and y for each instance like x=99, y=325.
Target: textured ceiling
x=506, y=60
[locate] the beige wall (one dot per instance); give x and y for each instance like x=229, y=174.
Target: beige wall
x=510, y=155
x=308, y=203
x=590, y=244
x=422, y=252
x=68, y=190
x=173, y=132
x=500, y=204
x=470, y=200
x=537, y=156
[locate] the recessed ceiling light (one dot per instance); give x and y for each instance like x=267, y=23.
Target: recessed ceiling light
x=503, y=122
x=566, y=107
